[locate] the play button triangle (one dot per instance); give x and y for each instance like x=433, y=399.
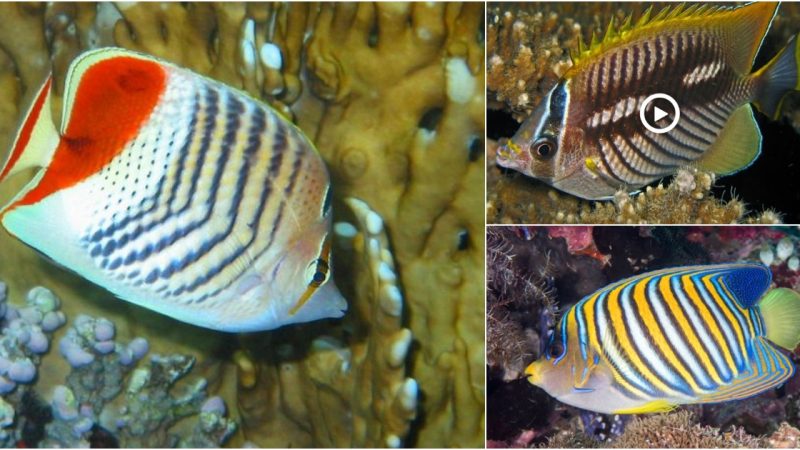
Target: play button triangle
x=659, y=114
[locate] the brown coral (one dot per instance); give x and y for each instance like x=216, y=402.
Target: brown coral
x=392, y=96
x=673, y=430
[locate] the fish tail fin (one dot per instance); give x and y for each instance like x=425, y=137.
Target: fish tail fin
x=777, y=78
x=37, y=137
x=780, y=309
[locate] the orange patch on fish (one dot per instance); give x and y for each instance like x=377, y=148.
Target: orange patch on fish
x=114, y=98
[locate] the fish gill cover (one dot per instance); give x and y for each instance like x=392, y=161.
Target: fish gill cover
x=529, y=48
x=390, y=94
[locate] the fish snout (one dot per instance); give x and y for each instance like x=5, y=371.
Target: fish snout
x=533, y=374
x=512, y=156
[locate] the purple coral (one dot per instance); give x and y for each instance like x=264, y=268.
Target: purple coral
x=72, y=351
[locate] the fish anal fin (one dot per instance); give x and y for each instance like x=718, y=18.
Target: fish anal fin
x=769, y=369
x=736, y=147
x=656, y=406
x=36, y=137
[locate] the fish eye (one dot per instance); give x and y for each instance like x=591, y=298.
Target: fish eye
x=544, y=148
x=320, y=273
x=555, y=349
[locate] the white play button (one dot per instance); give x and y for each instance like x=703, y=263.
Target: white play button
x=659, y=113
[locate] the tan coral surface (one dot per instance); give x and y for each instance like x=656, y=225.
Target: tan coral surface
x=392, y=95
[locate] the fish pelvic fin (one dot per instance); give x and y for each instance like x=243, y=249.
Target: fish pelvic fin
x=777, y=78
x=37, y=138
x=738, y=144
x=656, y=406
x=780, y=309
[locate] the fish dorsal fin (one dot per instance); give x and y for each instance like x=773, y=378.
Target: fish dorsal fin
x=736, y=147
x=620, y=34
x=745, y=31
x=769, y=368
x=36, y=139
x=108, y=94
x=747, y=283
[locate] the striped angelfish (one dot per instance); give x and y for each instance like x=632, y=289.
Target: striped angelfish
x=698, y=334
x=587, y=137
x=177, y=193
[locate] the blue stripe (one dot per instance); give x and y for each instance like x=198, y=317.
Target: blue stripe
x=730, y=337
x=701, y=328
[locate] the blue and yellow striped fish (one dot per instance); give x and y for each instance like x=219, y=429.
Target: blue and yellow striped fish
x=177, y=193
x=695, y=334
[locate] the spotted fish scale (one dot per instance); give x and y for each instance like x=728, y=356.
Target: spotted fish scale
x=206, y=212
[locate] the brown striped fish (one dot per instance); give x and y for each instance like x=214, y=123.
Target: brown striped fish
x=177, y=193
x=586, y=137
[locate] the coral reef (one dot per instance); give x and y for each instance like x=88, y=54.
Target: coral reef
x=392, y=95
x=107, y=388
x=572, y=262
x=528, y=47
x=687, y=198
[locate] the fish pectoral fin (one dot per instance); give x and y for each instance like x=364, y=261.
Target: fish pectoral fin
x=736, y=147
x=656, y=406
x=769, y=369
x=582, y=377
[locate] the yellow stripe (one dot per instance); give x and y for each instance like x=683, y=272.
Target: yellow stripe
x=744, y=311
x=728, y=314
x=591, y=328
x=618, y=322
x=591, y=331
x=688, y=331
x=640, y=297
x=709, y=321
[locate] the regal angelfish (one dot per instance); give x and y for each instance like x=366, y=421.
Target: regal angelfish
x=587, y=138
x=176, y=193
x=698, y=334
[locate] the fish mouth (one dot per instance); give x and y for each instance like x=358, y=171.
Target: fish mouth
x=511, y=156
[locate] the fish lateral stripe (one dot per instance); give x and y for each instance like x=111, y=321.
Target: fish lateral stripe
x=113, y=98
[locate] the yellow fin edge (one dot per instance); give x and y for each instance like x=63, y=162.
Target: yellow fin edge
x=617, y=33
x=652, y=407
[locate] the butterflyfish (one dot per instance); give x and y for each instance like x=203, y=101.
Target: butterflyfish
x=588, y=136
x=698, y=334
x=177, y=193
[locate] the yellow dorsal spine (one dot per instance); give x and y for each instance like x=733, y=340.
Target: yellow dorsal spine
x=619, y=35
